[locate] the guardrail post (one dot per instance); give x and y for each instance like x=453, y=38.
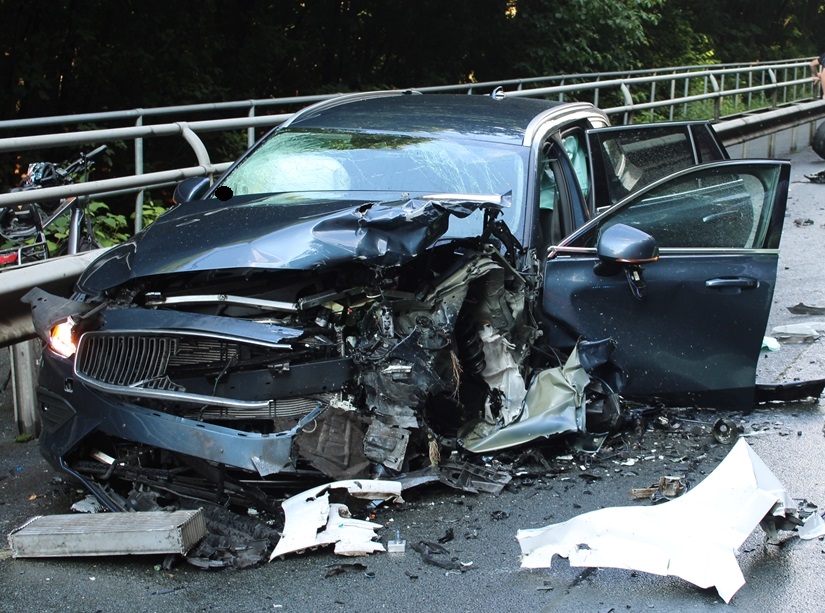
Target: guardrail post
x=628, y=100
x=250, y=131
x=717, y=101
x=139, y=171
x=775, y=93
x=24, y=371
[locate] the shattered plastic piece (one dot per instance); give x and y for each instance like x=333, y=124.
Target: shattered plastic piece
x=817, y=177
x=667, y=539
x=89, y=504
x=804, y=309
x=770, y=343
x=312, y=521
x=795, y=391
x=803, y=221
x=340, y=569
x=435, y=554
x=800, y=333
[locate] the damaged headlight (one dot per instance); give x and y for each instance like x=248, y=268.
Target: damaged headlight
x=61, y=338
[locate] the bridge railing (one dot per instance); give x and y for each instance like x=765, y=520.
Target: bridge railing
x=683, y=92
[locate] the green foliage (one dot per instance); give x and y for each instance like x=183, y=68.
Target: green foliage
x=61, y=57
x=109, y=228
x=152, y=209
x=582, y=36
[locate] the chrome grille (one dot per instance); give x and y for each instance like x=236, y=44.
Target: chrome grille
x=144, y=360
x=126, y=360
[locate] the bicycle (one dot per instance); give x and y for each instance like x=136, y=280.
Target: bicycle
x=24, y=228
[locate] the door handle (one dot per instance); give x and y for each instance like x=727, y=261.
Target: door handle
x=740, y=283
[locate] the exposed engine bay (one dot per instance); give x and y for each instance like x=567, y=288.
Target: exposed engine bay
x=217, y=384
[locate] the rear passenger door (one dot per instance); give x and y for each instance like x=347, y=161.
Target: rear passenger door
x=625, y=159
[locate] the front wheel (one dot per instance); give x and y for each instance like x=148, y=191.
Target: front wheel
x=818, y=143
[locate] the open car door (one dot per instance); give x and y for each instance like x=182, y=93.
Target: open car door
x=625, y=159
x=689, y=324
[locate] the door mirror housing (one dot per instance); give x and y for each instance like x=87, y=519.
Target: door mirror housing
x=621, y=245
x=190, y=189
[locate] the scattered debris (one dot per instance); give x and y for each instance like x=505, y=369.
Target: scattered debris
x=817, y=177
x=108, y=534
x=794, y=391
x=804, y=309
x=770, y=343
x=89, y=504
x=437, y=555
x=669, y=487
x=311, y=520
x=449, y=535
x=799, y=333
x=397, y=545
x=725, y=430
x=667, y=540
x=340, y=569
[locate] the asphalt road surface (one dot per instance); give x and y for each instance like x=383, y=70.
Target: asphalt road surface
x=780, y=577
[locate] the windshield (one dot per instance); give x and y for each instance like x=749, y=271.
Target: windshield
x=396, y=165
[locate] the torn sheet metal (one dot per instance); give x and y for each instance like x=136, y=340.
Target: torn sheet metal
x=311, y=520
x=694, y=537
x=255, y=232
x=554, y=404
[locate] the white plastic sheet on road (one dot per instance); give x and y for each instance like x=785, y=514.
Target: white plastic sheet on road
x=694, y=537
x=312, y=521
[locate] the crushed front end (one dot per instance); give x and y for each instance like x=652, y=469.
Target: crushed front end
x=221, y=384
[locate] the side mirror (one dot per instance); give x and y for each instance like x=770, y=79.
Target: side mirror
x=190, y=189
x=623, y=248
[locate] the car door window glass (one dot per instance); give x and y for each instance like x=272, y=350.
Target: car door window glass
x=634, y=159
x=716, y=207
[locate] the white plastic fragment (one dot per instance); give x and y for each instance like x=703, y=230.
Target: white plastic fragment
x=312, y=521
x=770, y=343
x=694, y=537
x=809, y=329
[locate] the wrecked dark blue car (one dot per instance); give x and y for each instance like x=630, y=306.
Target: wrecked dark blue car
x=395, y=284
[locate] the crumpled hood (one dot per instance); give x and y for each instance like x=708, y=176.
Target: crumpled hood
x=258, y=233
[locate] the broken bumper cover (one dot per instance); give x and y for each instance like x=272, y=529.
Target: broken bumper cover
x=65, y=428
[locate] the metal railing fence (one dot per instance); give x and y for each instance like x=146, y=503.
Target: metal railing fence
x=684, y=92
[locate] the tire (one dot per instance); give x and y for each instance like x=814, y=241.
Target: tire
x=818, y=143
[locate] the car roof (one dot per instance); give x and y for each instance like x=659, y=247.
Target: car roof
x=503, y=119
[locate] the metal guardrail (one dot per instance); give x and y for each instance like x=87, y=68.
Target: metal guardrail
x=666, y=93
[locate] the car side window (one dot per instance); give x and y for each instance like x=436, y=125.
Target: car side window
x=715, y=207
x=634, y=158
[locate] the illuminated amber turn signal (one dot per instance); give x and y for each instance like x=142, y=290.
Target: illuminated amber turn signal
x=60, y=339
